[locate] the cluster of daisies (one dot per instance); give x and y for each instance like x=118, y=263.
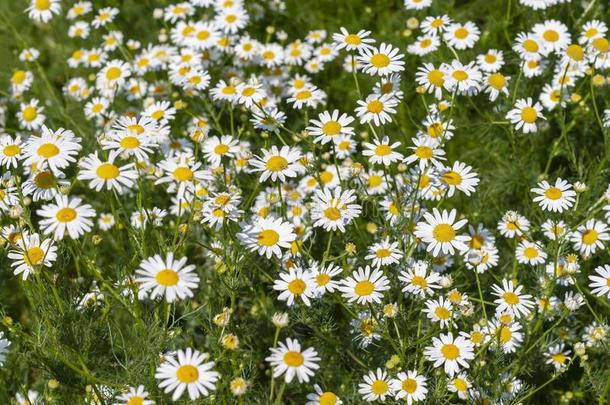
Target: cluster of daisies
x=227, y=142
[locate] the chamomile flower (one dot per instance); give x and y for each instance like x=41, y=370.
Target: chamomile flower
x=66, y=215
x=57, y=149
x=167, y=278
x=186, y=370
x=215, y=148
x=268, y=236
x=135, y=396
x=462, y=36
x=409, y=385
x=459, y=177
x=439, y=232
x=600, y=282
x=449, y=352
x=376, y=386
x=291, y=360
x=553, y=34
x=32, y=252
x=425, y=151
x=508, y=337
x=321, y=397
x=381, y=61
x=589, y=237
x=11, y=150
x=350, y=42
x=106, y=174
x=557, y=356
x=417, y=280
x=431, y=78
x=364, y=286
x=296, y=283
x=511, y=299
x=382, y=151
x=384, y=253
x=525, y=115
x=333, y=209
x=31, y=115
x=277, y=164
x=330, y=126
x=530, y=253
x=554, y=198
x=43, y=10
x=462, y=79
x=440, y=311
x=377, y=109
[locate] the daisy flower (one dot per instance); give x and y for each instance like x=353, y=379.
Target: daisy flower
x=67, y=214
x=440, y=311
x=215, y=148
x=492, y=61
x=376, y=386
x=329, y=126
x=530, y=253
x=364, y=286
x=290, y=360
x=600, y=282
x=182, y=173
x=32, y=252
x=525, y=114
x=528, y=46
x=135, y=396
x=589, y=237
x=323, y=277
x=376, y=109
x=409, y=385
x=30, y=115
x=439, y=232
x=350, y=42
x=435, y=24
x=297, y=283
x=10, y=151
x=424, y=45
x=431, y=79
x=513, y=224
x=418, y=281
x=56, y=149
x=459, y=177
x=168, y=278
x=511, y=299
x=107, y=174
x=4, y=344
x=554, y=35
x=508, y=337
x=267, y=236
x=333, y=210
x=43, y=10
x=462, y=79
x=460, y=385
x=382, y=152
x=381, y=61
x=186, y=370
x=384, y=253
x=461, y=36
x=277, y=163
x=557, y=198
x=557, y=356
x=452, y=353
x=321, y=397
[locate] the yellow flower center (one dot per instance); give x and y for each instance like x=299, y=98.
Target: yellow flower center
x=383, y=150
x=505, y=334
x=183, y=174
x=442, y=313
x=331, y=128
x=379, y=387
x=322, y=279
x=48, y=150
x=107, y=171
x=490, y=58
x=460, y=384
x=529, y=114
x=530, y=45
x=553, y=193
x=18, y=77
x=443, y=233
x=461, y=33
x=511, y=298
x=113, y=73
x=379, y=60
x=293, y=359
x=297, y=286
x=135, y=400
x=374, y=106
x=353, y=39
x=187, y=374
x=423, y=152
x=601, y=45
x=66, y=214
x=268, y=237
x=382, y=253
x=559, y=358
x=42, y=5
x=550, y=36
x=328, y=398
x=409, y=385
x=11, y=150
x=589, y=236
x=459, y=75
x=419, y=281
x=303, y=95
x=29, y=113
x=436, y=77
x=167, y=277
x=248, y=91
x=332, y=213
x=497, y=81
x=221, y=149
x=575, y=52
x=450, y=351
x=33, y=256
x=276, y=163
x=364, y=288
